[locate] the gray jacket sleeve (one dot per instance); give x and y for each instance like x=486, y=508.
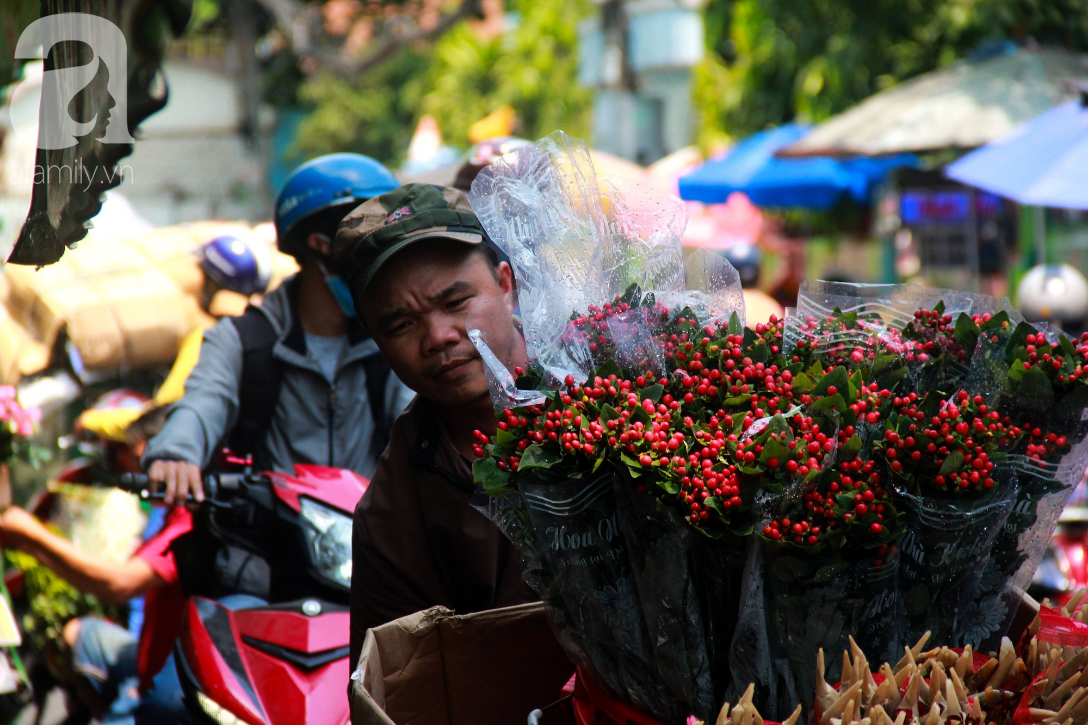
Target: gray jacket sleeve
x=397, y=397
x=209, y=407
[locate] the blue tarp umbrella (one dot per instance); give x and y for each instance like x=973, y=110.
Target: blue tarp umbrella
x=1043, y=162
x=815, y=182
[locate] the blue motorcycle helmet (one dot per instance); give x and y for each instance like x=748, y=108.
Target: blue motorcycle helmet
x=236, y=264
x=320, y=189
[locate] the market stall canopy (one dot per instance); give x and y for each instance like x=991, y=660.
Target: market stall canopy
x=1043, y=162
x=751, y=167
x=967, y=105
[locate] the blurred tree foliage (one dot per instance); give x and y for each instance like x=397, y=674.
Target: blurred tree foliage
x=532, y=68
x=773, y=61
x=374, y=116
x=458, y=79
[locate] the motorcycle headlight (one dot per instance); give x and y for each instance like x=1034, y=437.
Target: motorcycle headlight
x=328, y=539
x=217, y=712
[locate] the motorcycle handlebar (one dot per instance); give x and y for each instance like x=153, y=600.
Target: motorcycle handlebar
x=142, y=485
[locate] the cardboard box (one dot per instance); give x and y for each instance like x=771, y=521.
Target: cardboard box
x=124, y=302
x=438, y=668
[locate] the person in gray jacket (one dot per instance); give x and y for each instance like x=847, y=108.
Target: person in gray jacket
x=298, y=379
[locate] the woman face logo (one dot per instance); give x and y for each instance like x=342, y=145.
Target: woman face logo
x=58, y=130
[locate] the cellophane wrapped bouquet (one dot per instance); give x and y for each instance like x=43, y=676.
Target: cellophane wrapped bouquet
x=704, y=504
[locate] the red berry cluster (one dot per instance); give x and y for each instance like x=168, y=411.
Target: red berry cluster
x=949, y=448
x=823, y=428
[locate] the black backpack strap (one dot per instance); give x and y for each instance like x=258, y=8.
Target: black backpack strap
x=260, y=386
x=377, y=376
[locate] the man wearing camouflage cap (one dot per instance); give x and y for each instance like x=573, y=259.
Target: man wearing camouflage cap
x=421, y=275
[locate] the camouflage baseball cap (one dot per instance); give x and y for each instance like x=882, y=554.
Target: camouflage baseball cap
x=376, y=230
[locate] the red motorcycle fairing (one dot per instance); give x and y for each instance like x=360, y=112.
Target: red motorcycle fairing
x=334, y=486
x=268, y=665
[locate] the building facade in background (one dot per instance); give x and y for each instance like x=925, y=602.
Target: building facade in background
x=638, y=56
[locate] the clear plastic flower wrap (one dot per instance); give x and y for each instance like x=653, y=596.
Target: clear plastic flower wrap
x=827, y=548
x=600, y=276
x=574, y=243
x=946, y=555
x=928, y=344
x=741, y=497
x=866, y=325
x=1034, y=376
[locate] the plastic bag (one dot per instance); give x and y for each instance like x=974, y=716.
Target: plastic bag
x=870, y=320
x=1047, y=470
x=573, y=244
x=816, y=603
x=578, y=563
x=945, y=554
x=660, y=548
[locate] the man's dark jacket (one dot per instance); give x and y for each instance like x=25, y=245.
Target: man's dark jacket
x=417, y=541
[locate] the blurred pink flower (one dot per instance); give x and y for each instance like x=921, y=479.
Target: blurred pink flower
x=22, y=421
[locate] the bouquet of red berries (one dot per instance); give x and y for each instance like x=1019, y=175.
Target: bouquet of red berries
x=704, y=504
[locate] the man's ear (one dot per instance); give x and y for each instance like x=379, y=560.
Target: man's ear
x=506, y=284
x=319, y=243
x=505, y=277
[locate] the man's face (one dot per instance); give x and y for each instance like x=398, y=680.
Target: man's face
x=419, y=311
x=207, y=293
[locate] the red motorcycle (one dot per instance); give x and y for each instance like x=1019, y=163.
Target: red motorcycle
x=1064, y=566
x=286, y=662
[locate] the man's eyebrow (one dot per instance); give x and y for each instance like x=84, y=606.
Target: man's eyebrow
x=387, y=318
x=457, y=288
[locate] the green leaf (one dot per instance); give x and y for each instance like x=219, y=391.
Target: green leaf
x=639, y=415
x=995, y=322
x=857, y=382
x=790, y=568
x=609, y=413
x=632, y=295
x=653, y=392
x=735, y=326
x=831, y=402
x=1035, y=391
x=536, y=456
x=1067, y=347
x=634, y=468
x=837, y=377
x=851, y=447
x=506, y=439
x=738, y=399
x=1018, y=338
x=801, y=384
x=670, y=487
x=966, y=332
x=952, y=464
x=760, y=352
x=774, y=449
x=486, y=473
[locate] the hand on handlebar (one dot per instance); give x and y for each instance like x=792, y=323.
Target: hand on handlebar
x=179, y=479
